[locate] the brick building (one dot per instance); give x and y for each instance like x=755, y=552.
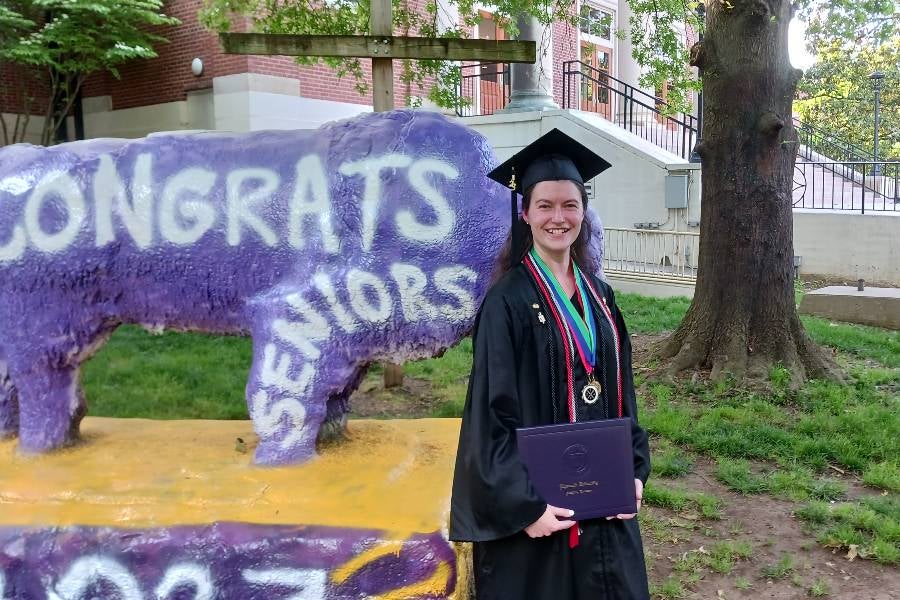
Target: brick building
x=244, y=93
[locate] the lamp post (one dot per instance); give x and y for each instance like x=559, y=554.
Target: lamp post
x=695, y=156
x=877, y=77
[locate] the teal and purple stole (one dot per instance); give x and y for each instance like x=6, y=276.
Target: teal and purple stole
x=579, y=331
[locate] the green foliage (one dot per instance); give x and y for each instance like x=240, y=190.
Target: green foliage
x=12, y=25
x=351, y=17
x=855, y=23
x=656, y=31
x=835, y=87
x=852, y=39
x=70, y=39
x=659, y=45
x=837, y=95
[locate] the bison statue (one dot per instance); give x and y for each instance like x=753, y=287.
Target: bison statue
x=367, y=239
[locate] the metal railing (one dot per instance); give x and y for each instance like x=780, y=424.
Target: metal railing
x=588, y=88
x=817, y=144
x=483, y=89
x=864, y=186
x=670, y=255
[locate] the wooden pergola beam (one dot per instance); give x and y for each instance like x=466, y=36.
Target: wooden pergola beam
x=379, y=46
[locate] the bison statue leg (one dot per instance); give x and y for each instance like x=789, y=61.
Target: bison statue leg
x=51, y=406
x=47, y=378
x=289, y=380
x=9, y=404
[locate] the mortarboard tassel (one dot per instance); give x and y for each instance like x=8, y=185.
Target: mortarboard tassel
x=514, y=209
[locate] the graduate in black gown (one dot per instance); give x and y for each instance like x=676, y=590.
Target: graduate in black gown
x=532, y=363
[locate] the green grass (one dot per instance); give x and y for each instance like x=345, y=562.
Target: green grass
x=179, y=375
x=448, y=375
x=169, y=376
x=795, y=483
x=856, y=426
x=651, y=315
x=680, y=500
x=722, y=556
x=800, y=483
x=865, y=342
x=742, y=583
x=671, y=462
x=819, y=588
x=447, y=370
x=870, y=525
x=670, y=589
x=782, y=442
x=885, y=475
x=739, y=476
x=780, y=569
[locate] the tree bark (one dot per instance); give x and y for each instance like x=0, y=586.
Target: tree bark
x=743, y=319
x=393, y=375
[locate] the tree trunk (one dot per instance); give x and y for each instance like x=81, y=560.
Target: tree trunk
x=743, y=319
x=393, y=375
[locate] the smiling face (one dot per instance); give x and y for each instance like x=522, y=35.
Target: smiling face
x=554, y=214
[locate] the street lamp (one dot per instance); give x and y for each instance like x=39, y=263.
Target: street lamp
x=695, y=156
x=877, y=77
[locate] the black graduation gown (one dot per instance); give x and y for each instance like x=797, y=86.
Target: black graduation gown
x=519, y=380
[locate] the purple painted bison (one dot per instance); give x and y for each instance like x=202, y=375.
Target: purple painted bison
x=368, y=239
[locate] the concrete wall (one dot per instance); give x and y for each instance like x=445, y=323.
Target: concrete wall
x=240, y=102
x=848, y=246
x=252, y=102
x=647, y=287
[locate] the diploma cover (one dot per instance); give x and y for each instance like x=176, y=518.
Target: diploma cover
x=586, y=466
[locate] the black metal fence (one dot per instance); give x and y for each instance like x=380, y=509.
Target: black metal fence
x=483, y=89
x=588, y=88
x=863, y=186
x=817, y=144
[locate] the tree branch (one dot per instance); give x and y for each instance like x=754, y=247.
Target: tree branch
x=698, y=56
x=769, y=124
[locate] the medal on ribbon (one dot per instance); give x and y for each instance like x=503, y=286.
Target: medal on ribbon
x=583, y=330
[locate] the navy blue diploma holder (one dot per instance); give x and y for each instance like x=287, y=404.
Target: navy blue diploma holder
x=586, y=466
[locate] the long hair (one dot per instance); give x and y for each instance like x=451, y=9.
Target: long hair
x=509, y=257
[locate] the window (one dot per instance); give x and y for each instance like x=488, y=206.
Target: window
x=596, y=21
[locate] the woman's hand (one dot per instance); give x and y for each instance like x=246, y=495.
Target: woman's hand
x=639, y=494
x=548, y=523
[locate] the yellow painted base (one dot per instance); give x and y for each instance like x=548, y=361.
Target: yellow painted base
x=392, y=475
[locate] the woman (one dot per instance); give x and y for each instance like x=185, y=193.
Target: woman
x=533, y=365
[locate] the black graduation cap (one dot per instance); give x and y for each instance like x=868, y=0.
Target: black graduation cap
x=552, y=157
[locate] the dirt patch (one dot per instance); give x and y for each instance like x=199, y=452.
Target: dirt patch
x=773, y=532
x=413, y=400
